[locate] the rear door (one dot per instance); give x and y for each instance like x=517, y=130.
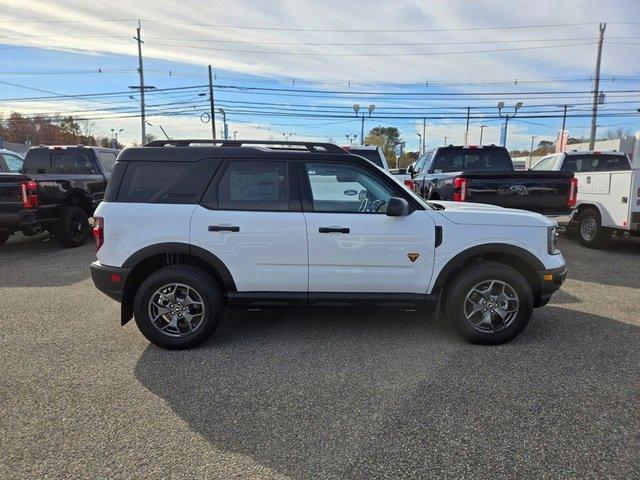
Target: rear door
x=354, y=247
x=251, y=219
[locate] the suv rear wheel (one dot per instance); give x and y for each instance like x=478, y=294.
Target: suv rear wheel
x=488, y=303
x=591, y=233
x=178, y=306
x=72, y=229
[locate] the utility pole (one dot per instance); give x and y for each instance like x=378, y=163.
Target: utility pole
x=424, y=136
x=466, y=132
x=211, y=105
x=564, y=118
x=596, y=88
x=141, y=72
x=482, y=127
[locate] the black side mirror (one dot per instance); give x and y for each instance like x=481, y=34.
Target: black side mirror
x=410, y=170
x=397, y=207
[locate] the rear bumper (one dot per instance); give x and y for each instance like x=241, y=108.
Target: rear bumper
x=550, y=282
x=109, y=280
x=18, y=220
x=563, y=219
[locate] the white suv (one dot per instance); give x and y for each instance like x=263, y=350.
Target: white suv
x=186, y=229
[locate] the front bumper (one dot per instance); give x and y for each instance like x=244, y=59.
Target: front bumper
x=550, y=282
x=109, y=280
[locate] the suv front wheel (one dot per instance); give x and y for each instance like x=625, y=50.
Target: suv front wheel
x=178, y=306
x=488, y=303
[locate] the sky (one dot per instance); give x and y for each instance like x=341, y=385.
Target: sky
x=298, y=67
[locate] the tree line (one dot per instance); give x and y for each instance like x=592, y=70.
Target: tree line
x=54, y=129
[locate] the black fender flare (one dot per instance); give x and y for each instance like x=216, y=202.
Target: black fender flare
x=460, y=259
x=178, y=247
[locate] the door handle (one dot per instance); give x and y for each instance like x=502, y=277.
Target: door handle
x=334, y=230
x=224, y=228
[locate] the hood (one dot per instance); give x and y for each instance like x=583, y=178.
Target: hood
x=484, y=214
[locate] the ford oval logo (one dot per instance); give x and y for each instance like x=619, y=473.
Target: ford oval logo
x=518, y=189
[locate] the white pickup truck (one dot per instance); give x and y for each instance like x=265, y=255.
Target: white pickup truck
x=608, y=193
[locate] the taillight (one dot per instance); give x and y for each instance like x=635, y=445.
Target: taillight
x=410, y=184
x=460, y=189
x=29, y=194
x=573, y=193
x=98, y=231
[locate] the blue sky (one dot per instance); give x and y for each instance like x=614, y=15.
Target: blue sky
x=385, y=53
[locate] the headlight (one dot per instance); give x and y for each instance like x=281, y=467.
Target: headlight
x=552, y=241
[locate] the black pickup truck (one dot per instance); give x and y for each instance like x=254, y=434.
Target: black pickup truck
x=485, y=174
x=58, y=190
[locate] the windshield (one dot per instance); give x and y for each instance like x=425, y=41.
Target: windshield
x=461, y=159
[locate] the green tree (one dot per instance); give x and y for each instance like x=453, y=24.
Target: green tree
x=387, y=138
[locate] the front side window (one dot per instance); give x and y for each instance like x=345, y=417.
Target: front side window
x=250, y=185
x=545, y=164
x=345, y=188
x=14, y=163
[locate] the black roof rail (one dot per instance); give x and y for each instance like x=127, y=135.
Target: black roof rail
x=310, y=146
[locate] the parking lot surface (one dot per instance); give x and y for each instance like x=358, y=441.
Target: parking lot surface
x=317, y=394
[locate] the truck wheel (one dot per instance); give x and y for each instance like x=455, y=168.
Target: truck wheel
x=72, y=230
x=591, y=233
x=178, y=306
x=488, y=303
x=4, y=237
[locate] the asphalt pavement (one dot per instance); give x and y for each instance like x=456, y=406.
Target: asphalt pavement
x=324, y=394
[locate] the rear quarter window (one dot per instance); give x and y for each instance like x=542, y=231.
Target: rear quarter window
x=161, y=182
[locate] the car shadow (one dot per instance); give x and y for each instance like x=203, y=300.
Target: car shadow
x=330, y=394
x=40, y=261
x=613, y=265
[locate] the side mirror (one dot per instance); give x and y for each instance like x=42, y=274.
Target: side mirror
x=410, y=170
x=397, y=207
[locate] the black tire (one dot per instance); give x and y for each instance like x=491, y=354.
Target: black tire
x=4, y=237
x=591, y=233
x=193, y=277
x=462, y=284
x=72, y=229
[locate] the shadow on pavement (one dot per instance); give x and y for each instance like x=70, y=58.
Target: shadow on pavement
x=615, y=265
x=314, y=394
x=40, y=261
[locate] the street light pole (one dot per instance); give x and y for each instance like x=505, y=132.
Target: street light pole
x=356, y=108
x=212, y=105
x=506, y=117
x=466, y=132
x=533, y=137
x=420, y=143
x=114, y=140
x=445, y=141
x=225, y=132
x=482, y=127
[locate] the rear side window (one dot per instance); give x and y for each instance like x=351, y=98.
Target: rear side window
x=251, y=185
x=595, y=163
x=460, y=159
x=164, y=182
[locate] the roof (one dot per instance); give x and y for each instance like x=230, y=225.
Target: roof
x=190, y=150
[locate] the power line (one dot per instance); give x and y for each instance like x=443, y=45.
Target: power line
x=403, y=54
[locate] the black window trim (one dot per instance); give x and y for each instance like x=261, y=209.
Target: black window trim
x=210, y=198
x=307, y=196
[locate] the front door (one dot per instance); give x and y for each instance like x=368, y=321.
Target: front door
x=354, y=247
